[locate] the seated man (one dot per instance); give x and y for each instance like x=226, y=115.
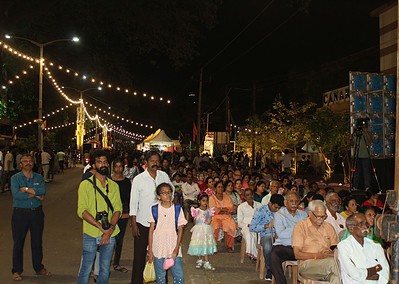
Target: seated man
x=312, y=240
x=333, y=217
x=361, y=259
x=245, y=212
x=273, y=189
x=190, y=192
x=261, y=224
x=284, y=222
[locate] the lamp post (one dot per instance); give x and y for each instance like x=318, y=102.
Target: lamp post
x=41, y=46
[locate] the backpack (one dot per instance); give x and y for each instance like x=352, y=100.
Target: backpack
x=154, y=210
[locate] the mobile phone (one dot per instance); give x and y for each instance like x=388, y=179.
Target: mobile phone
x=333, y=247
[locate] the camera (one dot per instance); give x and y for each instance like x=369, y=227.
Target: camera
x=359, y=124
x=103, y=218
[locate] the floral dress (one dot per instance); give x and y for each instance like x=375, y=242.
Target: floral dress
x=202, y=238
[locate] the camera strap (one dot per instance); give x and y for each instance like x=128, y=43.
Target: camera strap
x=101, y=193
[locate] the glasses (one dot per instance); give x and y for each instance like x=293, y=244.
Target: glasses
x=293, y=200
x=322, y=217
x=166, y=193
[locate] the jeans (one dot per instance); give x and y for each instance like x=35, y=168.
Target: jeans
x=22, y=221
x=267, y=244
x=177, y=271
x=88, y=254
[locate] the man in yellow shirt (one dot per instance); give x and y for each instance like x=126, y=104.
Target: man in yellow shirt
x=100, y=207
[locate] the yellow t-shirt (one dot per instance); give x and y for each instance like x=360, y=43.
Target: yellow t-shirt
x=87, y=201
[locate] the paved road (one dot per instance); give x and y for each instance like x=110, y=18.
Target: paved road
x=62, y=244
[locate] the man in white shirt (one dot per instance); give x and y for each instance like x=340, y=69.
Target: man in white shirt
x=333, y=217
x=190, y=192
x=273, y=189
x=245, y=212
x=361, y=259
x=8, y=168
x=142, y=197
x=46, y=157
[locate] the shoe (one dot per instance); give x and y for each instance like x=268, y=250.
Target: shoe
x=208, y=266
x=43, y=272
x=200, y=262
x=16, y=276
x=268, y=276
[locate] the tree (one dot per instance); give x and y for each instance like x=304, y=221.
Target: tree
x=330, y=133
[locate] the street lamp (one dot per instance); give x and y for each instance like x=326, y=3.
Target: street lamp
x=41, y=46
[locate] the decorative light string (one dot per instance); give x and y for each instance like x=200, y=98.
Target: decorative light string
x=70, y=71
x=60, y=126
x=114, y=127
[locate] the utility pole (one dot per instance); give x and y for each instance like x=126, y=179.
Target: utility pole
x=228, y=120
x=199, y=112
x=253, y=114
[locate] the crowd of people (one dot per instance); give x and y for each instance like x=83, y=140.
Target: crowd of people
x=290, y=218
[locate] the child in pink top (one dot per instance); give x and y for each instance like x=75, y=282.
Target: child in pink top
x=163, y=240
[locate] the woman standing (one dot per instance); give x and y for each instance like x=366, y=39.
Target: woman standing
x=124, y=190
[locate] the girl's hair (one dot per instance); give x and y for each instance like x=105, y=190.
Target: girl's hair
x=164, y=184
x=207, y=179
x=201, y=196
x=226, y=183
x=364, y=209
x=237, y=180
x=259, y=183
x=346, y=201
x=117, y=160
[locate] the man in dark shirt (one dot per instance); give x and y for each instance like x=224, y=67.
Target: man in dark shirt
x=28, y=190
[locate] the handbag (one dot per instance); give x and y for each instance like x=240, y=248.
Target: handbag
x=149, y=272
x=168, y=263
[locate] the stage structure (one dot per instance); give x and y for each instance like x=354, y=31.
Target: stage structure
x=373, y=98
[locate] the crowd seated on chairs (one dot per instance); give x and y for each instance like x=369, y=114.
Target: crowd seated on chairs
x=295, y=223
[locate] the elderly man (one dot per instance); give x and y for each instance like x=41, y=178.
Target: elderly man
x=28, y=190
x=361, y=259
x=333, y=217
x=142, y=197
x=261, y=224
x=245, y=212
x=284, y=222
x=313, y=241
x=273, y=189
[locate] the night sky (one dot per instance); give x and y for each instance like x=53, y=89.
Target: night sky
x=294, y=50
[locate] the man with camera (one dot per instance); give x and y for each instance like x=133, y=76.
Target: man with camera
x=362, y=162
x=100, y=206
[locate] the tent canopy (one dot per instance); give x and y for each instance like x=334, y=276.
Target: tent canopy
x=159, y=137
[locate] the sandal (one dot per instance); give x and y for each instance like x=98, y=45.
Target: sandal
x=16, y=276
x=120, y=268
x=43, y=272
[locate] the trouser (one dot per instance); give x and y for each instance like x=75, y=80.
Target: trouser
x=122, y=223
x=22, y=221
x=140, y=254
x=229, y=240
x=363, y=170
x=278, y=255
x=46, y=169
x=320, y=269
x=90, y=247
x=176, y=269
x=267, y=245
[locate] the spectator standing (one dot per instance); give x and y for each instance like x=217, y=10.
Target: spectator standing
x=100, y=206
x=143, y=196
x=61, y=160
x=8, y=169
x=45, y=158
x=286, y=161
x=28, y=190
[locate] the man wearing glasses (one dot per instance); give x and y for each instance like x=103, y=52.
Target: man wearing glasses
x=361, y=259
x=313, y=241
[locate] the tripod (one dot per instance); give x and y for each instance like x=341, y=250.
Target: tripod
x=359, y=136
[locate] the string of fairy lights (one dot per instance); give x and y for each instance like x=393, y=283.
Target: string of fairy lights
x=50, y=76
x=78, y=74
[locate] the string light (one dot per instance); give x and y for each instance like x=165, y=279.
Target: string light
x=60, y=126
x=68, y=70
